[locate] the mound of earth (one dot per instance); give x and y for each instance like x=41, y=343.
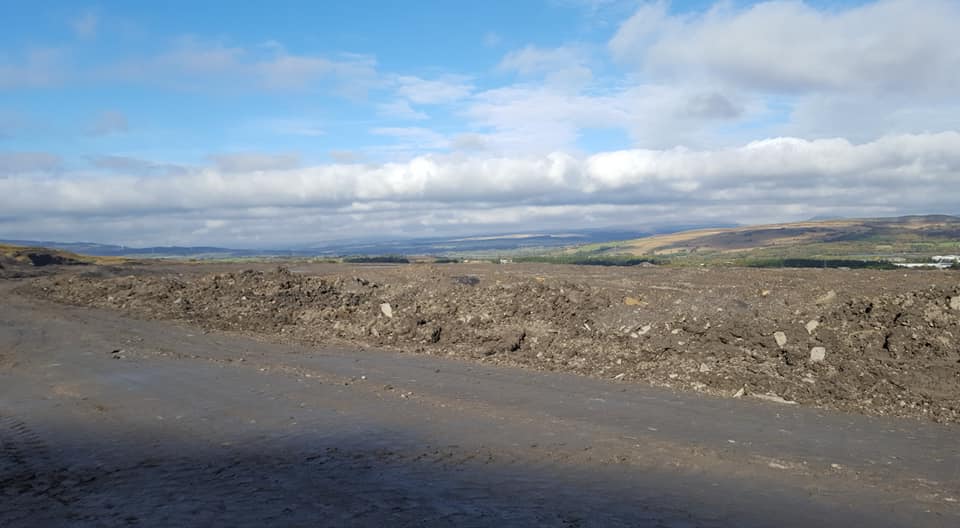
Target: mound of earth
x=18, y=261
x=876, y=342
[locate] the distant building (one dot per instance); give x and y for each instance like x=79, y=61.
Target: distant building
x=936, y=261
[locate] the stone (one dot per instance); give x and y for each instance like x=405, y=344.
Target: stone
x=955, y=303
x=812, y=326
x=818, y=354
x=704, y=368
x=827, y=298
x=774, y=398
x=780, y=338
x=632, y=301
x=386, y=310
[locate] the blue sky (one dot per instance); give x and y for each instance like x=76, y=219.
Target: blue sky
x=278, y=123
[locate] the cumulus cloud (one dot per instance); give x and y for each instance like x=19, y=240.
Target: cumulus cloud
x=523, y=118
x=446, y=89
x=566, y=65
x=401, y=109
x=897, y=46
x=896, y=173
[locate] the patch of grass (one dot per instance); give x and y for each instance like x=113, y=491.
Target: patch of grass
x=591, y=260
x=377, y=259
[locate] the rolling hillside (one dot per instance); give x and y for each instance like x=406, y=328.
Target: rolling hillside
x=20, y=256
x=901, y=239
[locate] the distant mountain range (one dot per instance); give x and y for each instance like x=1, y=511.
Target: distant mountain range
x=439, y=246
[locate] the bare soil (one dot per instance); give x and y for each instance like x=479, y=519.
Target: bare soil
x=108, y=420
x=872, y=342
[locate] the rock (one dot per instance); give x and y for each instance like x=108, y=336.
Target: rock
x=955, y=303
x=773, y=398
x=818, y=354
x=386, y=310
x=467, y=280
x=780, y=338
x=827, y=298
x=644, y=329
x=739, y=393
x=812, y=326
x=632, y=301
x=704, y=368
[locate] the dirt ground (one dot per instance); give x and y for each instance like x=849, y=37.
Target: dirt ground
x=110, y=419
x=871, y=342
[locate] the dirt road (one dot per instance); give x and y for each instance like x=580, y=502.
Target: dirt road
x=111, y=421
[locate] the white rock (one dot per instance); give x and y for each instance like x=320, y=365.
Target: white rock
x=826, y=298
x=811, y=326
x=780, y=338
x=773, y=398
x=704, y=367
x=644, y=329
x=955, y=303
x=818, y=354
x=739, y=393
x=387, y=310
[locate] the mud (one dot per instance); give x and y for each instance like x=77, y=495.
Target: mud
x=872, y=342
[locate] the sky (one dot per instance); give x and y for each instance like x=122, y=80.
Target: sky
x=287, y=123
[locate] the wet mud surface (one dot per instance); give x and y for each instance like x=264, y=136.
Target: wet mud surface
x=107, y=420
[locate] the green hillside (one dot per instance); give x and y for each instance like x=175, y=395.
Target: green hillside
x=847, y=241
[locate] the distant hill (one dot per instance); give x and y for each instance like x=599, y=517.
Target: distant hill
x=17, y=256
x=906, y=238
x=492, y=244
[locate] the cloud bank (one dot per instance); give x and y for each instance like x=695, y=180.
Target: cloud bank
x=894, y=173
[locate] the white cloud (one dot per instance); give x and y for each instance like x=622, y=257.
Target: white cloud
x=446, y=89
x=897, y=46
x=566, y=65
x=896, y=174
x=414, y=138
x=530, y=118
x=401, y=109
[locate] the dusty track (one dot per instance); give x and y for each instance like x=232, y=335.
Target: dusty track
x=110, y=421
